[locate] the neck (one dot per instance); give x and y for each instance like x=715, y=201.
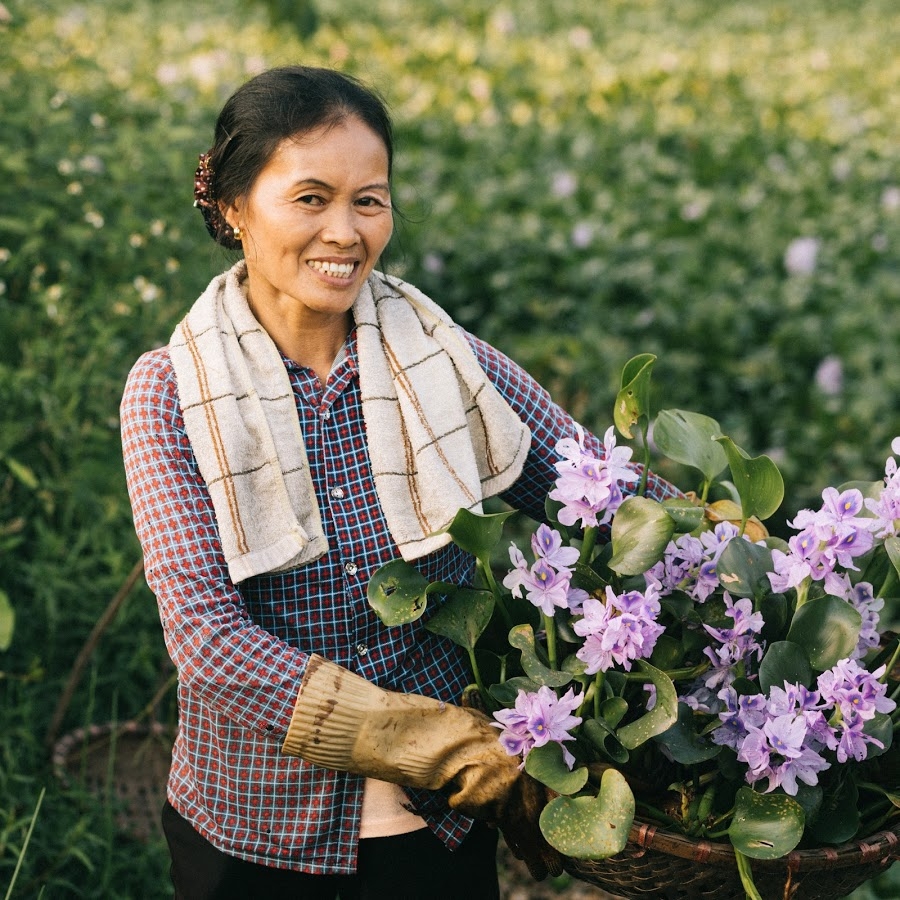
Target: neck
x=313, y=343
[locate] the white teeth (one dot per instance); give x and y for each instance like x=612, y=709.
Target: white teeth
x=341, y=270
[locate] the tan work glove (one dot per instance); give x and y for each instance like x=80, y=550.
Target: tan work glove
x=341, y=721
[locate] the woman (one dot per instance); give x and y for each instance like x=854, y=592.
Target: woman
x=310, y=420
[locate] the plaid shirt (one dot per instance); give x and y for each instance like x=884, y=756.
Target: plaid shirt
x=241, y=650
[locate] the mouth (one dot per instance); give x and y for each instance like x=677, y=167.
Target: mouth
x=343, y=271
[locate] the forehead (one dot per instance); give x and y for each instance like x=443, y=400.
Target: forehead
x=347, y=151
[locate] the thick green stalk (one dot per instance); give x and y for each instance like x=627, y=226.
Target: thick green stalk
x=550, y=628
x=488, y=576
x=746, y=873
x=587, y=544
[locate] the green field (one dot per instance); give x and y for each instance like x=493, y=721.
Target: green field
x=717, y=183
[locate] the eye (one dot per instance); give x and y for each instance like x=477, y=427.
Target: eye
x=372, y=203
x=311, y=200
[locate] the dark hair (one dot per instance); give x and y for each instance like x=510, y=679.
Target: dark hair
x=259, y=115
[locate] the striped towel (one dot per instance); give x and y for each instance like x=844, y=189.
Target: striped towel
x=440, y=436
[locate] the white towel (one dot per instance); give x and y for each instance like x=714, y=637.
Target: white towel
x=439, y=434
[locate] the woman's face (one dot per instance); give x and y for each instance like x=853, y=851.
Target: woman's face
x=315, y=221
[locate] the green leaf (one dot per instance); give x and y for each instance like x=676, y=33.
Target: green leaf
x=784, y=661
x=22, y=473
x=683, y=743
x=601, y=732
x=881, y=728
x=827, y=628
x=663, y=715
x=591, y=827
x=633, y=399
x=892, y=546
x=743, y=569
x=838, y=818
x=522, y=638
x=463, y=617
x=397, y=593
x=7, y=621
x=505, y=692
x=641, y=529
x=689, y=438
x=759, y=483
x=477, y=533
x=765, y=826
x=687, y=516
x=547, y=765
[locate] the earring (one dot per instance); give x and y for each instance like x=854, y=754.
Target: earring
x=236, y=231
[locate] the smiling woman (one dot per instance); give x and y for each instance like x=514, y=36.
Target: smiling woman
x=310, y=420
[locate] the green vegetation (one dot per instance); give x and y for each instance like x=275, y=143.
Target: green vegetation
x=581, y=183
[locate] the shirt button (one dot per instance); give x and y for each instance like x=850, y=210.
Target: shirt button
x=337, y=493
x=326, y=414
x=351, y=568
x=362, y=649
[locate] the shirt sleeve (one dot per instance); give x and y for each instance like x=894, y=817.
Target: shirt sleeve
x=549, y=423
x=222, y=657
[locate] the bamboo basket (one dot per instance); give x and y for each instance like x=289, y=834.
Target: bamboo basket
x=667, y=866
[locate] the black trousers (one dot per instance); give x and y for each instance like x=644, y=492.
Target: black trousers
x=404, y=867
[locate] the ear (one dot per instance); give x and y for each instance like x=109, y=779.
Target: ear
x=231, y=212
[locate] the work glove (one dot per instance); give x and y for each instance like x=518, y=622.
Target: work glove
x=343, y=722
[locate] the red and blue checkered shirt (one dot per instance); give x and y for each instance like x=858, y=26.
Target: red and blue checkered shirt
x=241, y=650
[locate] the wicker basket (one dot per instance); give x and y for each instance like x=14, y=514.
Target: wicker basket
x=126, y=762
x=664, y=865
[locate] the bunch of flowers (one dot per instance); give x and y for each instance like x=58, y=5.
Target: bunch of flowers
x=689, y=666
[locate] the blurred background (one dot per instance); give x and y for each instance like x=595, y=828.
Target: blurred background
x=714, y=182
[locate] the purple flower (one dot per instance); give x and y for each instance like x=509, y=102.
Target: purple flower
x=855, y=691
x=537, y=719
x=546, y=543
x=689, y=563
x=886, y=507
x=545, y=586
x=829, y=537
x=588, y=486
x=737, y=645
x=618, y=631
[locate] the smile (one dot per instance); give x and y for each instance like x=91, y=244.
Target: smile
x=336, y=270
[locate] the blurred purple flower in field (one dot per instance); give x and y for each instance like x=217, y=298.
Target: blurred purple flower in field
x=801, y=256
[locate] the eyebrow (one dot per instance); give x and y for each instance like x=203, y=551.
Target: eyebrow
x=375, y=186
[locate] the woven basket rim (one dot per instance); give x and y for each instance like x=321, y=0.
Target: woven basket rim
x=874, y=847
x=73, y=741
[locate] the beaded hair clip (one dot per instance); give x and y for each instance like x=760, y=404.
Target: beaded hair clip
x=205, y=201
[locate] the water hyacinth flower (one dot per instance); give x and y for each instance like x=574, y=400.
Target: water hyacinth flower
x=547, y=583
x=537, y=719
x=886, y=508
x=587, y=486
x=622, y=629
x=689, y=563
x=832, y=536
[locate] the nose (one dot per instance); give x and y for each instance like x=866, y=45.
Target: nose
x=339, y=227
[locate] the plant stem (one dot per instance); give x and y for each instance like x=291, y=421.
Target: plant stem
x=746, y=873
x=645, y=434
x=488, y=576
x=486, y=698
x=587, y=544
x=887, y=669
x=25, y=843
x=550, y=628
x=599, y=681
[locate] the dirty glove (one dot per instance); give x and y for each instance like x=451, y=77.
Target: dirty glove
x=343, y=722
x=521, y=813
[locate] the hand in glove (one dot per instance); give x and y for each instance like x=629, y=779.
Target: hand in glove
x=343, y=722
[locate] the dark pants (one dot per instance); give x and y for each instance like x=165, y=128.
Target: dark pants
x=404, y=867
